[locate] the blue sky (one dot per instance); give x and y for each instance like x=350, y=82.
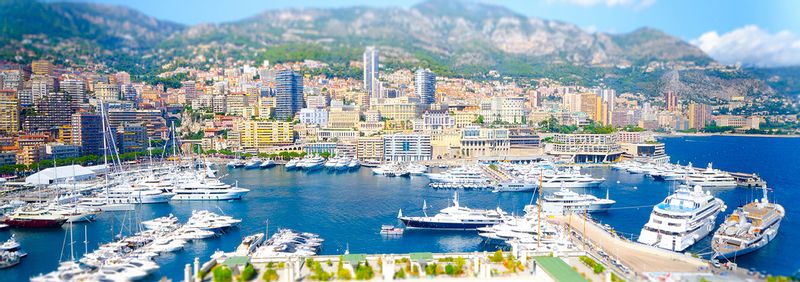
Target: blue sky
x=721, y=28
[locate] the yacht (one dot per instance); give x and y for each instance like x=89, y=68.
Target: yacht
x=236, y=164
x=515, y=185
x=33, y=217
x=416, y=169
x=11, y=245
x=525, y=228
x=284, y=243
x=567, y=179
x=74, y=213
x=207, y=189
x=682, y=219
x=342, y=163
x=268, y=163
x=454, y=217
x=127, y=194
x=312, y=163
x=710, y=178
x=748, y=228
x=566, y=201
x=354, y=164
x=292, y=164
x=460, y=175
x=184, y=233
x=331, y=163
x=9, y=259
x=671, y=173
x=165, y=222
x=253, y=163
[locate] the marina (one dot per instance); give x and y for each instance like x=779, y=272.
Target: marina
x=315, y=195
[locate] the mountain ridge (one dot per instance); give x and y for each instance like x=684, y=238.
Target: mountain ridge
x=455, y=38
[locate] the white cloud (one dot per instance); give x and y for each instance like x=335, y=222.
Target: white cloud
x=636, y=4
x=752, y=46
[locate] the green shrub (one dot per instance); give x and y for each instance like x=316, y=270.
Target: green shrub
x=400, y=274
x=223, y=274
x=248, y=273
x=270, y=275
x=497, y=256
x=450, y=270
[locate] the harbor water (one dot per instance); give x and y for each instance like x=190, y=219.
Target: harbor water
x=348, y=208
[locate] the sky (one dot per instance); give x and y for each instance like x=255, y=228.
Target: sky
x=760, y=33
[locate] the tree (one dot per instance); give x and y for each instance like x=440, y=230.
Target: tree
x=479, y=120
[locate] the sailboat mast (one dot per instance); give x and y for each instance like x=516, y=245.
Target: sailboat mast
x=71, y=244
x=539, y=213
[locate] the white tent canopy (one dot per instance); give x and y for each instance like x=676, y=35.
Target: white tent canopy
x=60, y=174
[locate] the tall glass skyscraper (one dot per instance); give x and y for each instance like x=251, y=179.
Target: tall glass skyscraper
x=425, y=86
x=289, y=95
x=371, y=74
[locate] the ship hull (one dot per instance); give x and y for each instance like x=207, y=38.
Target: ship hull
x=34, y=223
x=421, y=224
x=209, y=196
x=768, y=237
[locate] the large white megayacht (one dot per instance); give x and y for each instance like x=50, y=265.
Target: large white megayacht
x=710, y=178
x=682, y=219
x=748, y=228
x=567, y=201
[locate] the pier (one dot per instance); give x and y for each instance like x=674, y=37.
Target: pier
x=750, y=180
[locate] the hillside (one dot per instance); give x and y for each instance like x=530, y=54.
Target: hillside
x=454, y=38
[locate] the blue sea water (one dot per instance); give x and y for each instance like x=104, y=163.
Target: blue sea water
x=347, y=209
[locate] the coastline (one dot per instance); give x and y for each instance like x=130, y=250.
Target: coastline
x=672, y=135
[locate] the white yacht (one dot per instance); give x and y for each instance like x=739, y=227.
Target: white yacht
x=292, y=164
x=341, y=164
x=416, y=169
x=268, y=163
x=525, y=228
x=354, y=164
x=331, y=163
x=567, y=179
x=515, y=185
x=252, y=163
x=749, y=228
x=74, y=213
x=207, y=190
x=460, y=175
x=710, y=178
x=682, y=219
x=454, y=217
x=567, y=201
x=312, y=163
x=126, y=194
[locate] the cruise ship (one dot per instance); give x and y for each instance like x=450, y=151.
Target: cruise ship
x=749, y=228
x=682, y=219
x=710, y=178
x=455, y=217
x=209, y=189
x=460, y=175
x=567, y=201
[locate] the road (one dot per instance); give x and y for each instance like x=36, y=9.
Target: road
x=639, y=258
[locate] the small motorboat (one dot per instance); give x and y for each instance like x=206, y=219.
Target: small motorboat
x=391, y=230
